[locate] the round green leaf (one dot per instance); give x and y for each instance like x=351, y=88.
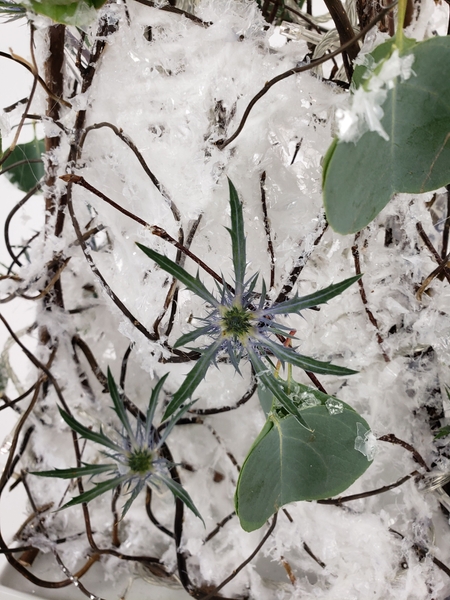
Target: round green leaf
x=288, y=463
x=360, y=178
x=27, y=174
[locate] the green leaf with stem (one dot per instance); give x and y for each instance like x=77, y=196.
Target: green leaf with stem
x=24, y=164
x=97, y=490
x=266, y=377
x=305, y=362
x=79, y=13
x=288, y=463
x=193, y=378
x=192, y=283
x=416, y=156
x=187, y=338
x=119, y=407
x=237, y=239
x=75, y=472
x=99, y=438
x=179, y=492
x=153, y=403
x=295, y=305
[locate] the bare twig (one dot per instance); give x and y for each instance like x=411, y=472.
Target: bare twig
x=267, y=229
x=121, y=135
x=392, y=439
x=246, y=561
x=362, y=293
x=381, y=490
x=154, y=229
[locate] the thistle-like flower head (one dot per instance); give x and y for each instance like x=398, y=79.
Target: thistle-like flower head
x=135, y=454
x=244, y=323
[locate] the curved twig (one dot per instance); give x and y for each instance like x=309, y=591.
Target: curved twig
x=362, y=293
x=121, y=135
x=246, y=561
x=12, y=212
x=21, y=61
x=381, y=490
x=392, y=439
x=87, y=254
x=215, y=411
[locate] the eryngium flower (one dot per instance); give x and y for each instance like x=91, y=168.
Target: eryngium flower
x=243, y=323
x=135, y=454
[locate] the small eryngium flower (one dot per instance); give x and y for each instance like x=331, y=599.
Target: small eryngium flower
x=242, y=322
x=136, y=455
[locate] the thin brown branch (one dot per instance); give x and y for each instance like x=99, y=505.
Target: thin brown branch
x=362, y=293
x=381, y=490
x=214, y=411
x=346, y=34
x=246, y=561
x=116, y=520
x=442, y=270
x=151, y=516
x=154, y=229
x=308, y=550
x=262, y=183
x=298, y=268
x=219, y=526
x=122, y=136
x=307, y=19
x=87, y=254
x=392, y=439
x=176, y=11
x=21, y=61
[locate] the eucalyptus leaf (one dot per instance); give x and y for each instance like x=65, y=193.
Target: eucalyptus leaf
x=360, y=178
x=288, y=463
x=26, y=174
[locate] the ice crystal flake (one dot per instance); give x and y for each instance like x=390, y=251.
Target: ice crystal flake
x=308, y=400
x=334, y=406
x=365, y=442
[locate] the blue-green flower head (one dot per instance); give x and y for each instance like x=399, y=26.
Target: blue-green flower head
x=237, y=323
x=243, y=323
x=135, y=453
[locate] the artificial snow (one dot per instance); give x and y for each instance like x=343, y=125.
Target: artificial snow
x=175, y=97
